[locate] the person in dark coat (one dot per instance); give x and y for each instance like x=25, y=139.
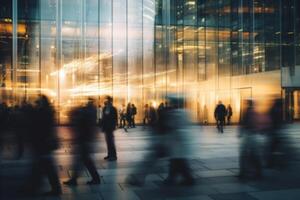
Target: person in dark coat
x=109, y=123
x=220, y=114
x=84, y=122
x=43, y=141
x=133, y=112
x=129, y=115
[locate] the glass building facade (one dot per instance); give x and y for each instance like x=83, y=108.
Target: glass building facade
x=141, y=50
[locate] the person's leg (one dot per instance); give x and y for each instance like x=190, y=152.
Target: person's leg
x=111, y=145
x=51, y=172
x=185, y=171
x=108, y=143
x=133, y=121
x=221, y=125
x=89, y=164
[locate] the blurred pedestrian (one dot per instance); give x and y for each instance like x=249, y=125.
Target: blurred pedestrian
x=109, y=123
x=152, y=115
x=229, y=114
x=4, y=117
x=84, y=126
x=122, y=117
x=276, y=149
x=133, y=112
x=129, y=115
x=146, y=115
x=250, y=147
x=171, y=129
x=43, y=141
x=220, y=114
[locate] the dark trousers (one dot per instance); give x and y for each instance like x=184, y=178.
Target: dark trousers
x=122, y=121
x=133, y=121
x=220, y=124
x=110, y=142
x=44, y=165
x=87, y=161
x=179, y=166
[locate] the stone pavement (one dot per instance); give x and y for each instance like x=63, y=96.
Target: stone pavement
x=214, y=162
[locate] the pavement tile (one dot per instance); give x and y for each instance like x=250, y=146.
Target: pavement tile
x=233, y=188
x=238, y=196
x=293, y=194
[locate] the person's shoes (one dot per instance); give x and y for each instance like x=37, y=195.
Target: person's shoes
x=94, y=182
x=53, y=193
x=112, y=159
x=71, y=182
x=106, y=157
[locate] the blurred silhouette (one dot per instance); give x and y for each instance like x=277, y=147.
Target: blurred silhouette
x=171, y=128
x=250, y=148
x=276, y=149
x=229, y=114
x=84, y=125
x=129, y=115
x=160, y=110
x=133, y=112
x=122, y=116
x=220, y=114
x=146, y=118
x=109, y=123
x=43, y=141
x=152, y=115
x=4, y=116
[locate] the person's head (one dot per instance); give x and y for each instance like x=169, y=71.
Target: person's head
x=42, y=101
x=146, y=106
x=220, y=102
x=133, y=105
x=108, y=100
x=90, y=101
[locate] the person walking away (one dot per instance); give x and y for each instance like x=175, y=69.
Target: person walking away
x=250, y=148
x=43, y=141
x=276, y=149
x=229, y=114
x=220, y=114
x=134, y=112
x=84, y=126
x=109, y=123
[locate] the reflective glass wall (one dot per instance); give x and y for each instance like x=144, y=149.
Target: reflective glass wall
x=141, y=50
x=228, y=50
x=74, y=49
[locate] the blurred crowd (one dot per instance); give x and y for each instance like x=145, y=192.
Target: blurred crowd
x=262, y=139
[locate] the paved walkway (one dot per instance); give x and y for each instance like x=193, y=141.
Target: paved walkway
x=214, y=163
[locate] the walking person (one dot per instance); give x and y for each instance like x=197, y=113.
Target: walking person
x=43, y=141
x=133, y=113
x=229, y=114
x=220, y=114
x=250, y=158
x=84, y=125
x=109, y=123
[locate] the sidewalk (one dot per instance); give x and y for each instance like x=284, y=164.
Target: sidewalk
x=214, y=163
